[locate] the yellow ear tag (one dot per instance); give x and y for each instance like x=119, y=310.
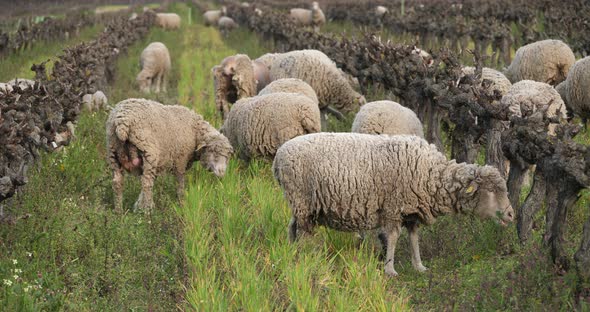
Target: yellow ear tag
x=469, y=189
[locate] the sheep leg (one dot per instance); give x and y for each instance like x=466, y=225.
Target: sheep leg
x=392, y=236
x=415, y=249
x=118, y=189
x=145, y=200
x=163, y=81
x=158, y=79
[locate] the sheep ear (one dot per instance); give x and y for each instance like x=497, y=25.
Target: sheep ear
x=200, y=149
x=473, y=186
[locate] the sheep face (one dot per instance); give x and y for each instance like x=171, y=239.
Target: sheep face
x=491, y=196
x=214, y=154
x=144, y=81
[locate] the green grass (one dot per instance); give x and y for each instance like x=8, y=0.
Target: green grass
x=18, y=64
x=226, y=248
x=83, y=255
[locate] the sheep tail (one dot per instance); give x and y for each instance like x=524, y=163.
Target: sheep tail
x=122, y=132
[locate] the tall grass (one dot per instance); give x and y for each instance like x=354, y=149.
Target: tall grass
x=67, y=248
x=226, y=248
x=236, y=239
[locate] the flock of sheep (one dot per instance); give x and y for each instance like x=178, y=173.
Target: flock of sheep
x=382, y=176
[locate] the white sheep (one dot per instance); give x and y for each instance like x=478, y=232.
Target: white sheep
x=545, y=61
x=257, y=126
x=94, y=102
x=360, y=182
x=290, y=85
x=147, y=138
x=239, y=75
x=575, y=90
x=154, y=64
x=22, y=83
x=211, y=17
x=168, y=21
x=387, y=117
x=304, y=17
x=226, y=24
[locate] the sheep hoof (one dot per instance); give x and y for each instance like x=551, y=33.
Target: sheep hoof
x=390, y=271
x=420, y=268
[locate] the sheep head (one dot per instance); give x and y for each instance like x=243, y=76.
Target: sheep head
x=144, y=81
x=239, y=68
x=213, y=151
x=487, y=196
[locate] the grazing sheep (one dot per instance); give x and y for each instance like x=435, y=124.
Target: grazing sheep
x=320, y=72
x=133, y=16
x=545, y=61
x=168, y=21
x=381, y=10
x=23, y=83
x=5, y=88
x=258, y=11
x=155, y=65
x=527, y=97
x=524, y=99
x=360, y=182
x=212, y=17
x=94, y=102
x=304, y=17
x=147, y=138
x=387, y=117
x=311, y=66
x=501, y=85
x=290, y=85
x=575, y=90
x=258, y=126
x=226, y=24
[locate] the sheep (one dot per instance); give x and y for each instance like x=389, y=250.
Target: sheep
x=545, y=61
x=361, y=182
x=22, y=83
x=211, y=17
x=257, y=126
x=387, y=117
x=498, y=84
x=320, y=72
x=5, y=88
x=245, y=4
x=147, y=138
x=311, y=66
x=168, y=21
x=155, y=65
x=94, y=102
x=304, y=17
x=290, y=85
x=575, y=90
x=133, y=16
x=226, y=24
x=380, y=11
x=526, y=97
